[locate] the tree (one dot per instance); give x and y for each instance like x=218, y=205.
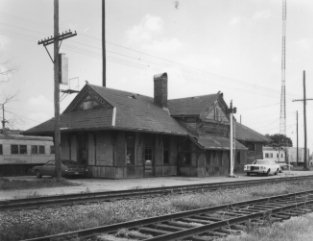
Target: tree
x=279, y=140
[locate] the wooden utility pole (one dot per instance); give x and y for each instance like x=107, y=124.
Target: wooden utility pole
x=57, y=138
x=3, y=120
x=304, y=100
x=231, y=112
x=304, y=123
x=55, y=40
x=103, y=46
x=297, y=141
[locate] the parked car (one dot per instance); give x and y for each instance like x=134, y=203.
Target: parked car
x=68, y=168
x=262, y=166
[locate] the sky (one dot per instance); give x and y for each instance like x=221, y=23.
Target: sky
x=205, y=46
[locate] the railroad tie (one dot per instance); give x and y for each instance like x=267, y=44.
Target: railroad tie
x=217, y=233
x=201, y=238
x=195, y=220
x=180, y=224
x=166, y=227
x=283, y=216
x=152, y=231
x=230, y=230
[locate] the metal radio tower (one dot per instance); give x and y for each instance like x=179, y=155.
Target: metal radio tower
x=282, y=124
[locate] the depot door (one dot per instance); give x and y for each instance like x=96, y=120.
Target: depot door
x=82, y=148
x=148, y=156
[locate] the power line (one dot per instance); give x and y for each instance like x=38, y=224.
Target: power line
x=139, y=59
x=252, y=86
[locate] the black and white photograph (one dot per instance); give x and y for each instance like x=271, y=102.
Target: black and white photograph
x=156, y=120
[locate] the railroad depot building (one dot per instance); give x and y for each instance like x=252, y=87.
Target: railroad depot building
x=119, y=134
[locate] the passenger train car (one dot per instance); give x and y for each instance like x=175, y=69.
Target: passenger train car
x=19, y=153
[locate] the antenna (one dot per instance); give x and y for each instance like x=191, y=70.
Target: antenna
x=282, y=119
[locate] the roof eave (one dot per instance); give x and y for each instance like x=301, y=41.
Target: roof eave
x=64, y=130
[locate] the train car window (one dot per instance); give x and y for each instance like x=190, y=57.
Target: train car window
x=14, y=149
x=41, y=149
x=34, y=149
x=1, y=151
x=23, y=149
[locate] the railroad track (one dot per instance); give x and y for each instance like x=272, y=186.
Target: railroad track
x=109, y=196
x=200, y=224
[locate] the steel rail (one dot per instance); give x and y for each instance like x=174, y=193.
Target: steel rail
x=69, y=199
x=227, y=222
x=246, y=210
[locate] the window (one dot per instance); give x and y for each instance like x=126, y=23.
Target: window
x=185, y=153
x=38, y=149
x=148, y=153
x=18, y=149
x=1, y=151
x=52, y=151
x=266, y=155
x=41, y=149
x=271, y=154
x=14, y=149
x=166, y=152
x=23, y=149
x=281, y=155
x=34, y=149
x=130, y=149
x=277, y=155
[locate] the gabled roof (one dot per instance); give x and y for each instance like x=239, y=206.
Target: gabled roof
x=129, y=111
x=191, y=105
x=244, y=133
x=123, y=110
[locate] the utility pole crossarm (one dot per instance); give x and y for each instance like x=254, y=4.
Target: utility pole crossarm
x=295, y=100
x=60, y=37
x=51, y=40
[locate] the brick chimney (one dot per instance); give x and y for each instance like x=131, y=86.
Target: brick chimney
x=160, y=90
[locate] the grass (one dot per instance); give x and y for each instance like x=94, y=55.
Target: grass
x=294, y=229
x=16, y=225
x=9, y=184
